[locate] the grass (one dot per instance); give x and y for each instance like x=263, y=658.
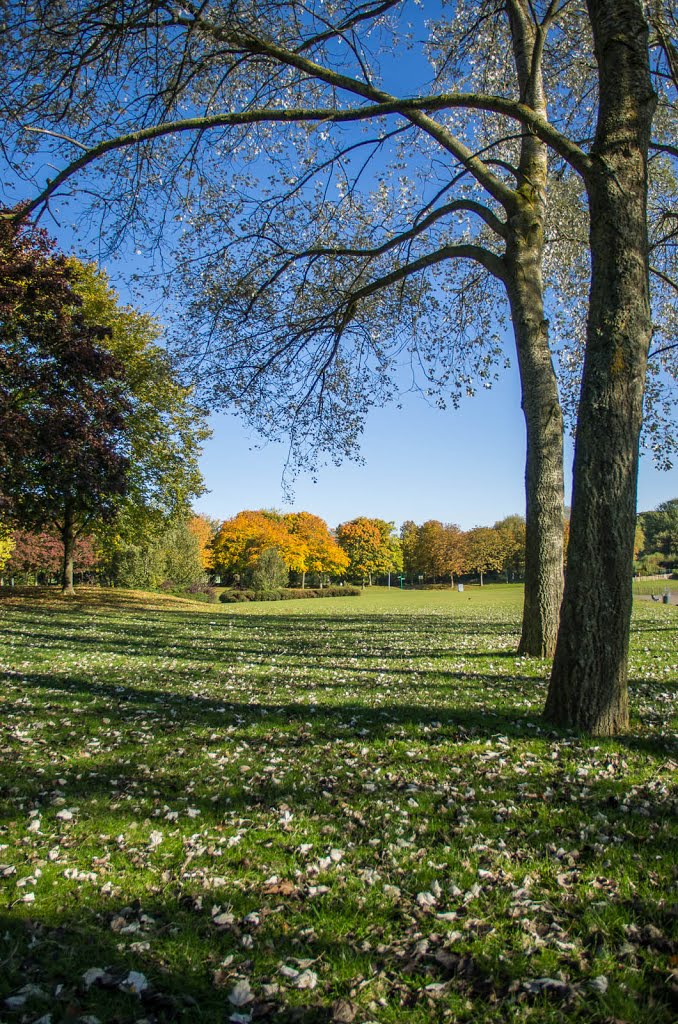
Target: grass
x=342, y=810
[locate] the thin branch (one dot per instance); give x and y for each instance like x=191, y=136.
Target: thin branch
x=665, y=278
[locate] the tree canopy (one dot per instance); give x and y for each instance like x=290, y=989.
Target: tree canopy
x=96, y=433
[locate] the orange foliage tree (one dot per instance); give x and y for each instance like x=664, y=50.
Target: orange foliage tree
x=241, y=541
x=205, y=530
x=322, y=553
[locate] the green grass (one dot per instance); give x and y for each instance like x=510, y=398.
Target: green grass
x=358, y=790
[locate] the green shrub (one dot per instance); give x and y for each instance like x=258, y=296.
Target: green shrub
x=238, y=596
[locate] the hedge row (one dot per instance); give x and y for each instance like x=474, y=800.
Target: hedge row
x=289, y=594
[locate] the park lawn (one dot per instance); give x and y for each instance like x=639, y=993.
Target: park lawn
x=342, y=809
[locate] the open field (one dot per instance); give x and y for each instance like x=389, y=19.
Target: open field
x=338, y=810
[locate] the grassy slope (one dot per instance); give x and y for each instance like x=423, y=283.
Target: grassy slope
x=357, y=790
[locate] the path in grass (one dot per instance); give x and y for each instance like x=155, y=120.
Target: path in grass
x=342, y=810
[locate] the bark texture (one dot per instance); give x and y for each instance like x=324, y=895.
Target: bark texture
x=588, y=689
x=543, y=468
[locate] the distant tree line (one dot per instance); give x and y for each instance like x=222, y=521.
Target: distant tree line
x=264, y=549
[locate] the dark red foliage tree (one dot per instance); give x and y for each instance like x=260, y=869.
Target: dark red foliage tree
x=36, y=552
x=63, y=404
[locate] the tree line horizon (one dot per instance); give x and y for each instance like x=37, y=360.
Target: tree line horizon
x=200, y=548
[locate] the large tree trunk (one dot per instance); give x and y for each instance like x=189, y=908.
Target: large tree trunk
x=68, y=539
x=588, y=688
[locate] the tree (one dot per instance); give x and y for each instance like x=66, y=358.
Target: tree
x=42, y=553
x=485, y=550
x=205, y=530
x=242, y=540
x=371, y=548
x=440, y=550
x=512, y=532
x=165, y=427
x=95, y=428
x=297, y=67
x=322, y=553
x=64, y=408
x=7, y=545
x=269, y=572
x=657, y=534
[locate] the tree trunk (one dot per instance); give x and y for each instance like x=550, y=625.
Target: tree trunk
x=544, y=491
x=588, y=688
x=68, y=539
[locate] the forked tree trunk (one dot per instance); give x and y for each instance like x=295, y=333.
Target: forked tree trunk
x=588, y=688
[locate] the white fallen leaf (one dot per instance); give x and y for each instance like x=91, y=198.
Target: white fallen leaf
x=241, y=994
x=307, y=979
x=600, y=984
x=135, y=983
x=222, y=920
x=91, y=976
x=289, y=972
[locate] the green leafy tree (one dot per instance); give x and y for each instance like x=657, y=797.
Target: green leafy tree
x=269, y=572
x=485, y=550
x=512, y=531
x=165, y=428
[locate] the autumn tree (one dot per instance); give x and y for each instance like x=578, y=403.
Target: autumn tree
x=41, y=553
x=7, y=545
x=241, y=541
x=371, y=547
x=512, y=532
x=435, y=549
x=205, y=530
x=323, y=555
x=485, y=550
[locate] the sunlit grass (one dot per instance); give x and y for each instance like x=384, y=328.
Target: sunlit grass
x=357, y=790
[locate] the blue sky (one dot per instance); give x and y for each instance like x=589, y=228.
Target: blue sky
x=464, y=466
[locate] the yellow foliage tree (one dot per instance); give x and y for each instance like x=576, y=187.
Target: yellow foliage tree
x=241, y=540
x=6, y=545
x=205, y=530
x=323, y=554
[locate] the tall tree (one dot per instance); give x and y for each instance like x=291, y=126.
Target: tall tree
x=241, y=541
x=588, y=687
x=485, y=550
x=323, y=554
x=165, y=427
x=297, y=361
x=63, y=404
